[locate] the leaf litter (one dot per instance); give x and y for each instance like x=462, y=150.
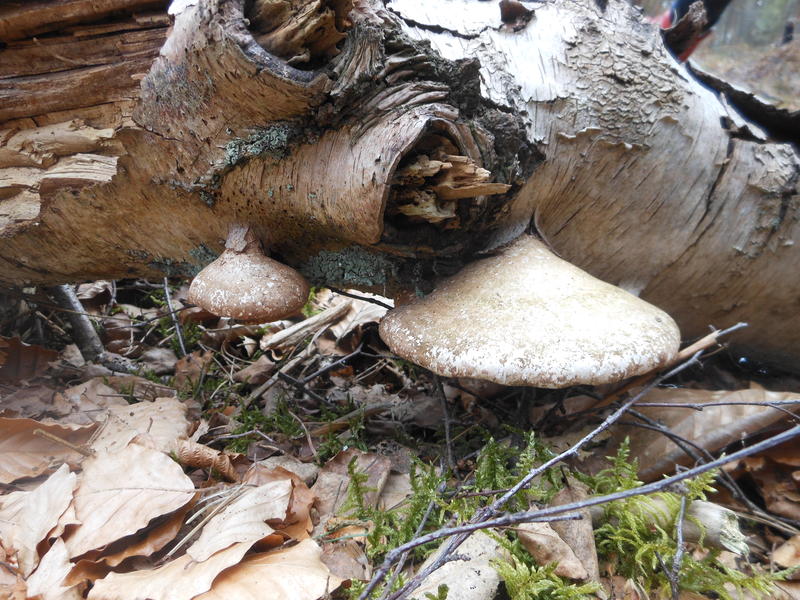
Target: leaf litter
x=293, y=456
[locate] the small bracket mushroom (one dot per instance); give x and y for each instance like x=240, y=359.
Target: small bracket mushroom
x=245, y=284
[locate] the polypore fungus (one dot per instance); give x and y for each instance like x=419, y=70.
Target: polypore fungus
x=245, y=284
x=523, y=316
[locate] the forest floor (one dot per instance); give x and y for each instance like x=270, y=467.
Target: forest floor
x=298, y=456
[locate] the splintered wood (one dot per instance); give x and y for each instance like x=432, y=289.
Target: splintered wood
x=429, y=187
x=297, y=30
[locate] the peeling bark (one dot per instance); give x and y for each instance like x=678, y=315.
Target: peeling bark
x=129, y=145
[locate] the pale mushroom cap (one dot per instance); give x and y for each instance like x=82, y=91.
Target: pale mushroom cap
x=526, y=317
x=249, y=286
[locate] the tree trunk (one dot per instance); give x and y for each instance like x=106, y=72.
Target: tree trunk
x=384, y=146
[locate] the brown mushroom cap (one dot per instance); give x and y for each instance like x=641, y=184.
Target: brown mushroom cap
x=245, y=284
x=526, y=317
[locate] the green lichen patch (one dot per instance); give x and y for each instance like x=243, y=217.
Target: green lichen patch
x=271, y=141
x=353, y=266
x=203, y=255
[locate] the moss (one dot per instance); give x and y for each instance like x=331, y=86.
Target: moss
x=352, y=266
x=271, y=141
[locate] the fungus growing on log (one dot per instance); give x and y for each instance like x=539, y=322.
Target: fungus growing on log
x=523, y=316
x=245, y=284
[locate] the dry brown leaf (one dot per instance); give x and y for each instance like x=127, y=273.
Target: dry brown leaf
x=88, y=401
x=94, y=293
x=47, y=581
x=546, y=547
x=160, y=361
x=23, y=453
x=333, y=480
x=293, y=573
x=306, y=471
x=711, y=429
x=120, y=493
x=473, y=578
x=347, y=332
x=163, y=421
x=396, y=490
x=34, y=402
x=347, y=559
x=27, y=517
x=179, y=579
x=243, y=520
x=297, y=524
x=788, y=554
x=198, y=456
x=139, y=387
x=189, y=369
x=578, y=534
x=23, y=361
x=142, y=543
x=257, y=372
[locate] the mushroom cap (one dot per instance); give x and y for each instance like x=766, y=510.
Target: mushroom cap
x=249, y=286
x=524, y=316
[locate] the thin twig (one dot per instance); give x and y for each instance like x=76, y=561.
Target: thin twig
x=451, y=463
x=83, y=332
x=359, y=297
x=333, y=365
x=699, y=346
x=63, y=442
x=488, y=512
x=175, y=322
x=544, y=513
x=418, y=532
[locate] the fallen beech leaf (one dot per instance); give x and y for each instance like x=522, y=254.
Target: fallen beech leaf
x=46, y=582
x=119, y=493
x=788, y=554
x=711, y=429
x=34, y=402
x=22, y=361
x=257, y=372
x=306, y=471
x=297, y=524
x=160, y=361
x=578, y=534
x=293, y=573
x=189, y=369
x=142, y=543
x=179, y=579
x=164, y=421
x=243, y=520
x=347, y=559
x=333, y=479
x=27, y=517
x=89, y=401
x=198, y=456
x=546, y=547
x=23, y=453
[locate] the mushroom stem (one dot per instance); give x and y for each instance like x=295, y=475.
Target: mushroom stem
x=245, y=284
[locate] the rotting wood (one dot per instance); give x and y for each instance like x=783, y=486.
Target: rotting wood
x=613, y=153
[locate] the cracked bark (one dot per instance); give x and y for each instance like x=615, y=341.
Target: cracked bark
x=130, y=140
